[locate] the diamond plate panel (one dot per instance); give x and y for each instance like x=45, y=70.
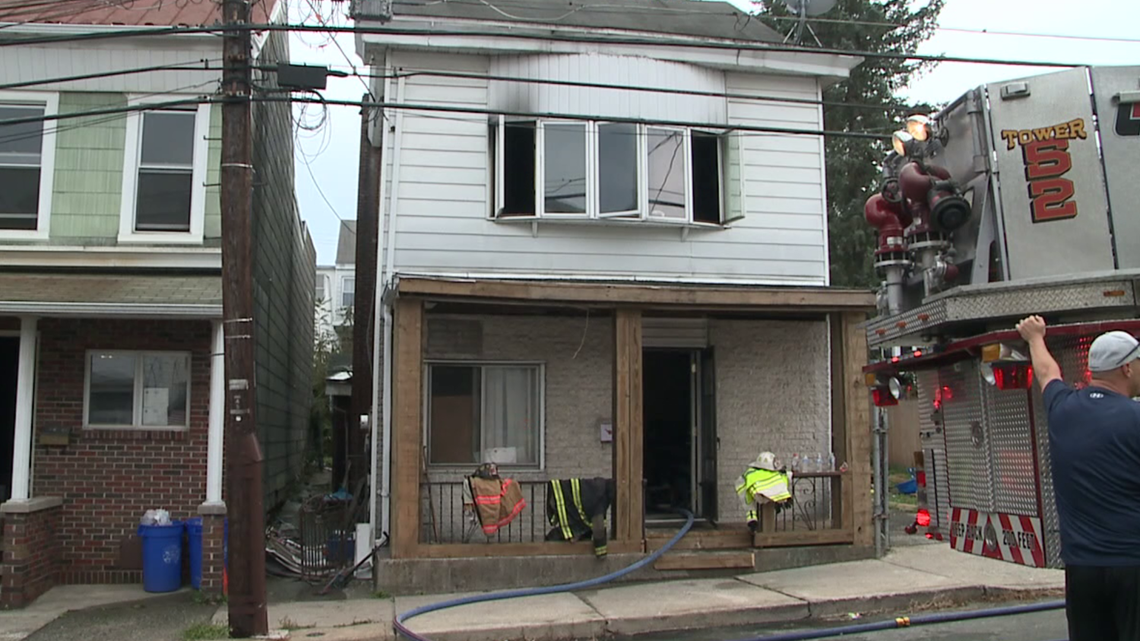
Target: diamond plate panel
x=933, y=443
x=981, y=302
x=1011, y=448
x=967, y=440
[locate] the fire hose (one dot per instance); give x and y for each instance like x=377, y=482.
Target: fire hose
x=401, y=628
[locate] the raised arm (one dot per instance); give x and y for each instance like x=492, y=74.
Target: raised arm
x=1045, y=367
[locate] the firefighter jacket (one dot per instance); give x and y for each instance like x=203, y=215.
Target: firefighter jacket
x=497, y=502
x=757, y=485
x=577, y=508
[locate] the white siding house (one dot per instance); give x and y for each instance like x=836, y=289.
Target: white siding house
x=587, y=221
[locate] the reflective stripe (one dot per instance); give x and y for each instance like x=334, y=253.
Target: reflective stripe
x=576, y=486
x=600, y=551
x=560, y=505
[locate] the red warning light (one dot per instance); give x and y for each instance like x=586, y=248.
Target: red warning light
x=1012, y=376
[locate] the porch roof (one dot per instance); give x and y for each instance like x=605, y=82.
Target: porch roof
x=640, y=294
x=115, y=295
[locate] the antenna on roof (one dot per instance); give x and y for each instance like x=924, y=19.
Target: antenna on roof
x=804, y=9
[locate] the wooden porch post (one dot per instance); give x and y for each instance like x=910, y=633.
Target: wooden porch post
x=407, y=404
x=628, y=444
x=857, y=424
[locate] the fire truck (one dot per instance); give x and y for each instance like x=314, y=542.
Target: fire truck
x=1020, y=197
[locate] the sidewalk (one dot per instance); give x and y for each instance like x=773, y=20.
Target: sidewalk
x=908, y=578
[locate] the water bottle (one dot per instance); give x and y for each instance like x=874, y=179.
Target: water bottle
x=795, y=462
x=831, y=462
x=819, y=462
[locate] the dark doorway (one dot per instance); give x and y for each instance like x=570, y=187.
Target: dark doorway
x=668, y=406
x=9, y=370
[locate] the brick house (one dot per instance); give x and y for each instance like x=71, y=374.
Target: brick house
x=111, y=376
x=604, y=253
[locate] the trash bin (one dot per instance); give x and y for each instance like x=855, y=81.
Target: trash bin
x=162, y=556
x=194, y=532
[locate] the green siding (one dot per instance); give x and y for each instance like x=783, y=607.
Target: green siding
x=213, y=222
x=86, y=195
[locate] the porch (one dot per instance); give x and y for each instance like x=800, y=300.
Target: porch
x=753, y=369
x=110, y=398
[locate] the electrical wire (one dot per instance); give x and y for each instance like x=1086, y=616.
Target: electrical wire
x=202, y=64
x=586, y=37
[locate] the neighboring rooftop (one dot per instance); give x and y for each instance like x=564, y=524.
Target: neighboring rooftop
x=698, y=18
x=346, y=244
x=141, y=13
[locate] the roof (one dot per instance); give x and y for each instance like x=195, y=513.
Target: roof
x=698, y=18
x=112, y=295
x=346, y=244
x=164, y=13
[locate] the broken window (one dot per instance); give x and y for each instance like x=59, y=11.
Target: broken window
x=481, y=413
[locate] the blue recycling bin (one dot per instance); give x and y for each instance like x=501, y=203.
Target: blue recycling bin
x=194, y=534
x=162, y=556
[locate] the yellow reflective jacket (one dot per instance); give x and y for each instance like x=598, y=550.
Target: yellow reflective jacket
x=756, y=483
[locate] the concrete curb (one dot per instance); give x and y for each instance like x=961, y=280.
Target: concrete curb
x=901, y=604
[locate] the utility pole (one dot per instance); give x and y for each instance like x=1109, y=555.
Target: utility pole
x=243, y=453
x=363, y=318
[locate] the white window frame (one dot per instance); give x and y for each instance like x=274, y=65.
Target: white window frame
x=593, y=202
x=50, y=102
x=132, y=157
x=539, y=366
x=344, y=280
x=136, y=422
x=323, y=284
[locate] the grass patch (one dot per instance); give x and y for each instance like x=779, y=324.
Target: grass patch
x=206, y=632
x=289, y=624
x=380, y=594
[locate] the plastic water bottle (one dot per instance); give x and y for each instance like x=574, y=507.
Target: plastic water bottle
x=819, y=462
x=831, y=462
x=795, y=462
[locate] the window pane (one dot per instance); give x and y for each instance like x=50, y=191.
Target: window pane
x=518, y=169
x=510, y=417
x=617, y=167
x=706, y=178
x=112, y=390
x=21, y=144
x=19, y=197
x=320, y=293
x=666, y=173
x=168, y=139
x=453, y=414
x=163, y=201
x=348, y=293
x=165, y=386
x=564, y=183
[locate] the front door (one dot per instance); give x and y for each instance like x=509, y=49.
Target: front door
x=9, y=369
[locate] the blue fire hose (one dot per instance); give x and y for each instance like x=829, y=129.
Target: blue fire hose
x=946, y=617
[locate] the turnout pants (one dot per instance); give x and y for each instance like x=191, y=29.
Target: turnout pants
x=1103, y=603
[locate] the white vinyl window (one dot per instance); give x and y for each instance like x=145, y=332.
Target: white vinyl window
x=484, y=412
x=348, y=292
x=584, y=170
x=137, y=390
x=164, y=175
x=27, y=163
x=321, y=290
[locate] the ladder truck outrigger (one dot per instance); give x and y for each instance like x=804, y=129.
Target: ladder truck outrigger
x=1020, y=197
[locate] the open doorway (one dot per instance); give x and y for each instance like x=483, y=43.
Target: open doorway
x=679, y=448
x=9, y=369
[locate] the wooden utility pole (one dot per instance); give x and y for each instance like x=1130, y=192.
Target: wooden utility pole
x=243, y=453
x=364, y=312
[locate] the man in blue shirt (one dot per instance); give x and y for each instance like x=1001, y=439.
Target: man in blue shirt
x=1094, y=436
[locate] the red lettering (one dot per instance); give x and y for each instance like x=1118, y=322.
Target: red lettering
x=1047, y=159
x=1050, y=199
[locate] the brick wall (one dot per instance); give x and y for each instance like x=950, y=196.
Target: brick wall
x=773, y=393
x=108, y=479
x=284, y=272
x=31, y=555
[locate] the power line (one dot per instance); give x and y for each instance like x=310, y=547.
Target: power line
x=204, y=65
x=584, y=38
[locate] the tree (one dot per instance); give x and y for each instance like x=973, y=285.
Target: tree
x=864, y=102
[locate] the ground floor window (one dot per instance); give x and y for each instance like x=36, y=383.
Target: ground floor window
x=478, y=413
x=143, y=390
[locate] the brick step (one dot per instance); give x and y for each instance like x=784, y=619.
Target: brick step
x=705, y=560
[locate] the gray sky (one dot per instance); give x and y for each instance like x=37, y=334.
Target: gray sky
x=333, y=151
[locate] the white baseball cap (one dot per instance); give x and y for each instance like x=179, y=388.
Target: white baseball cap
x=1112, y=350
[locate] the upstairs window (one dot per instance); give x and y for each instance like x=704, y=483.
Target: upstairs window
x=166, y=172
x=320, y=292
x=625, y=171
x=348, y=292
x=26, y=167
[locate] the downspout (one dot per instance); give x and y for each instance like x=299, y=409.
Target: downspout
x=389, y=280
x=379, y=362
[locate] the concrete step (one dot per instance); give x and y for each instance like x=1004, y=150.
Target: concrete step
x=705, y=560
